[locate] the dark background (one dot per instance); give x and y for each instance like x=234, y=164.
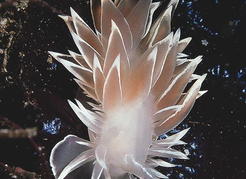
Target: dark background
x=34, y=88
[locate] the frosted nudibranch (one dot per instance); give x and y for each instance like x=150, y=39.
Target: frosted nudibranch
x=136, y=71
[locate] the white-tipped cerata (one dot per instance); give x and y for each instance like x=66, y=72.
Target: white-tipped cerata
x=142, y=84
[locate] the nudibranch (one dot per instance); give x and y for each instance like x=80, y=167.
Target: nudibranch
x=136, y=71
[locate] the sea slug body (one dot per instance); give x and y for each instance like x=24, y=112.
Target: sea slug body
x=136, y=71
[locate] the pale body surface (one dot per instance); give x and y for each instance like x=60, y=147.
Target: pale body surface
x=136, y=71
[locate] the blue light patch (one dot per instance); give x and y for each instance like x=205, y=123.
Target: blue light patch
x=195, y=17
x=52, y=127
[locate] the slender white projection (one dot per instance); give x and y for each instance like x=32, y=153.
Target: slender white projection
x=136, y=71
